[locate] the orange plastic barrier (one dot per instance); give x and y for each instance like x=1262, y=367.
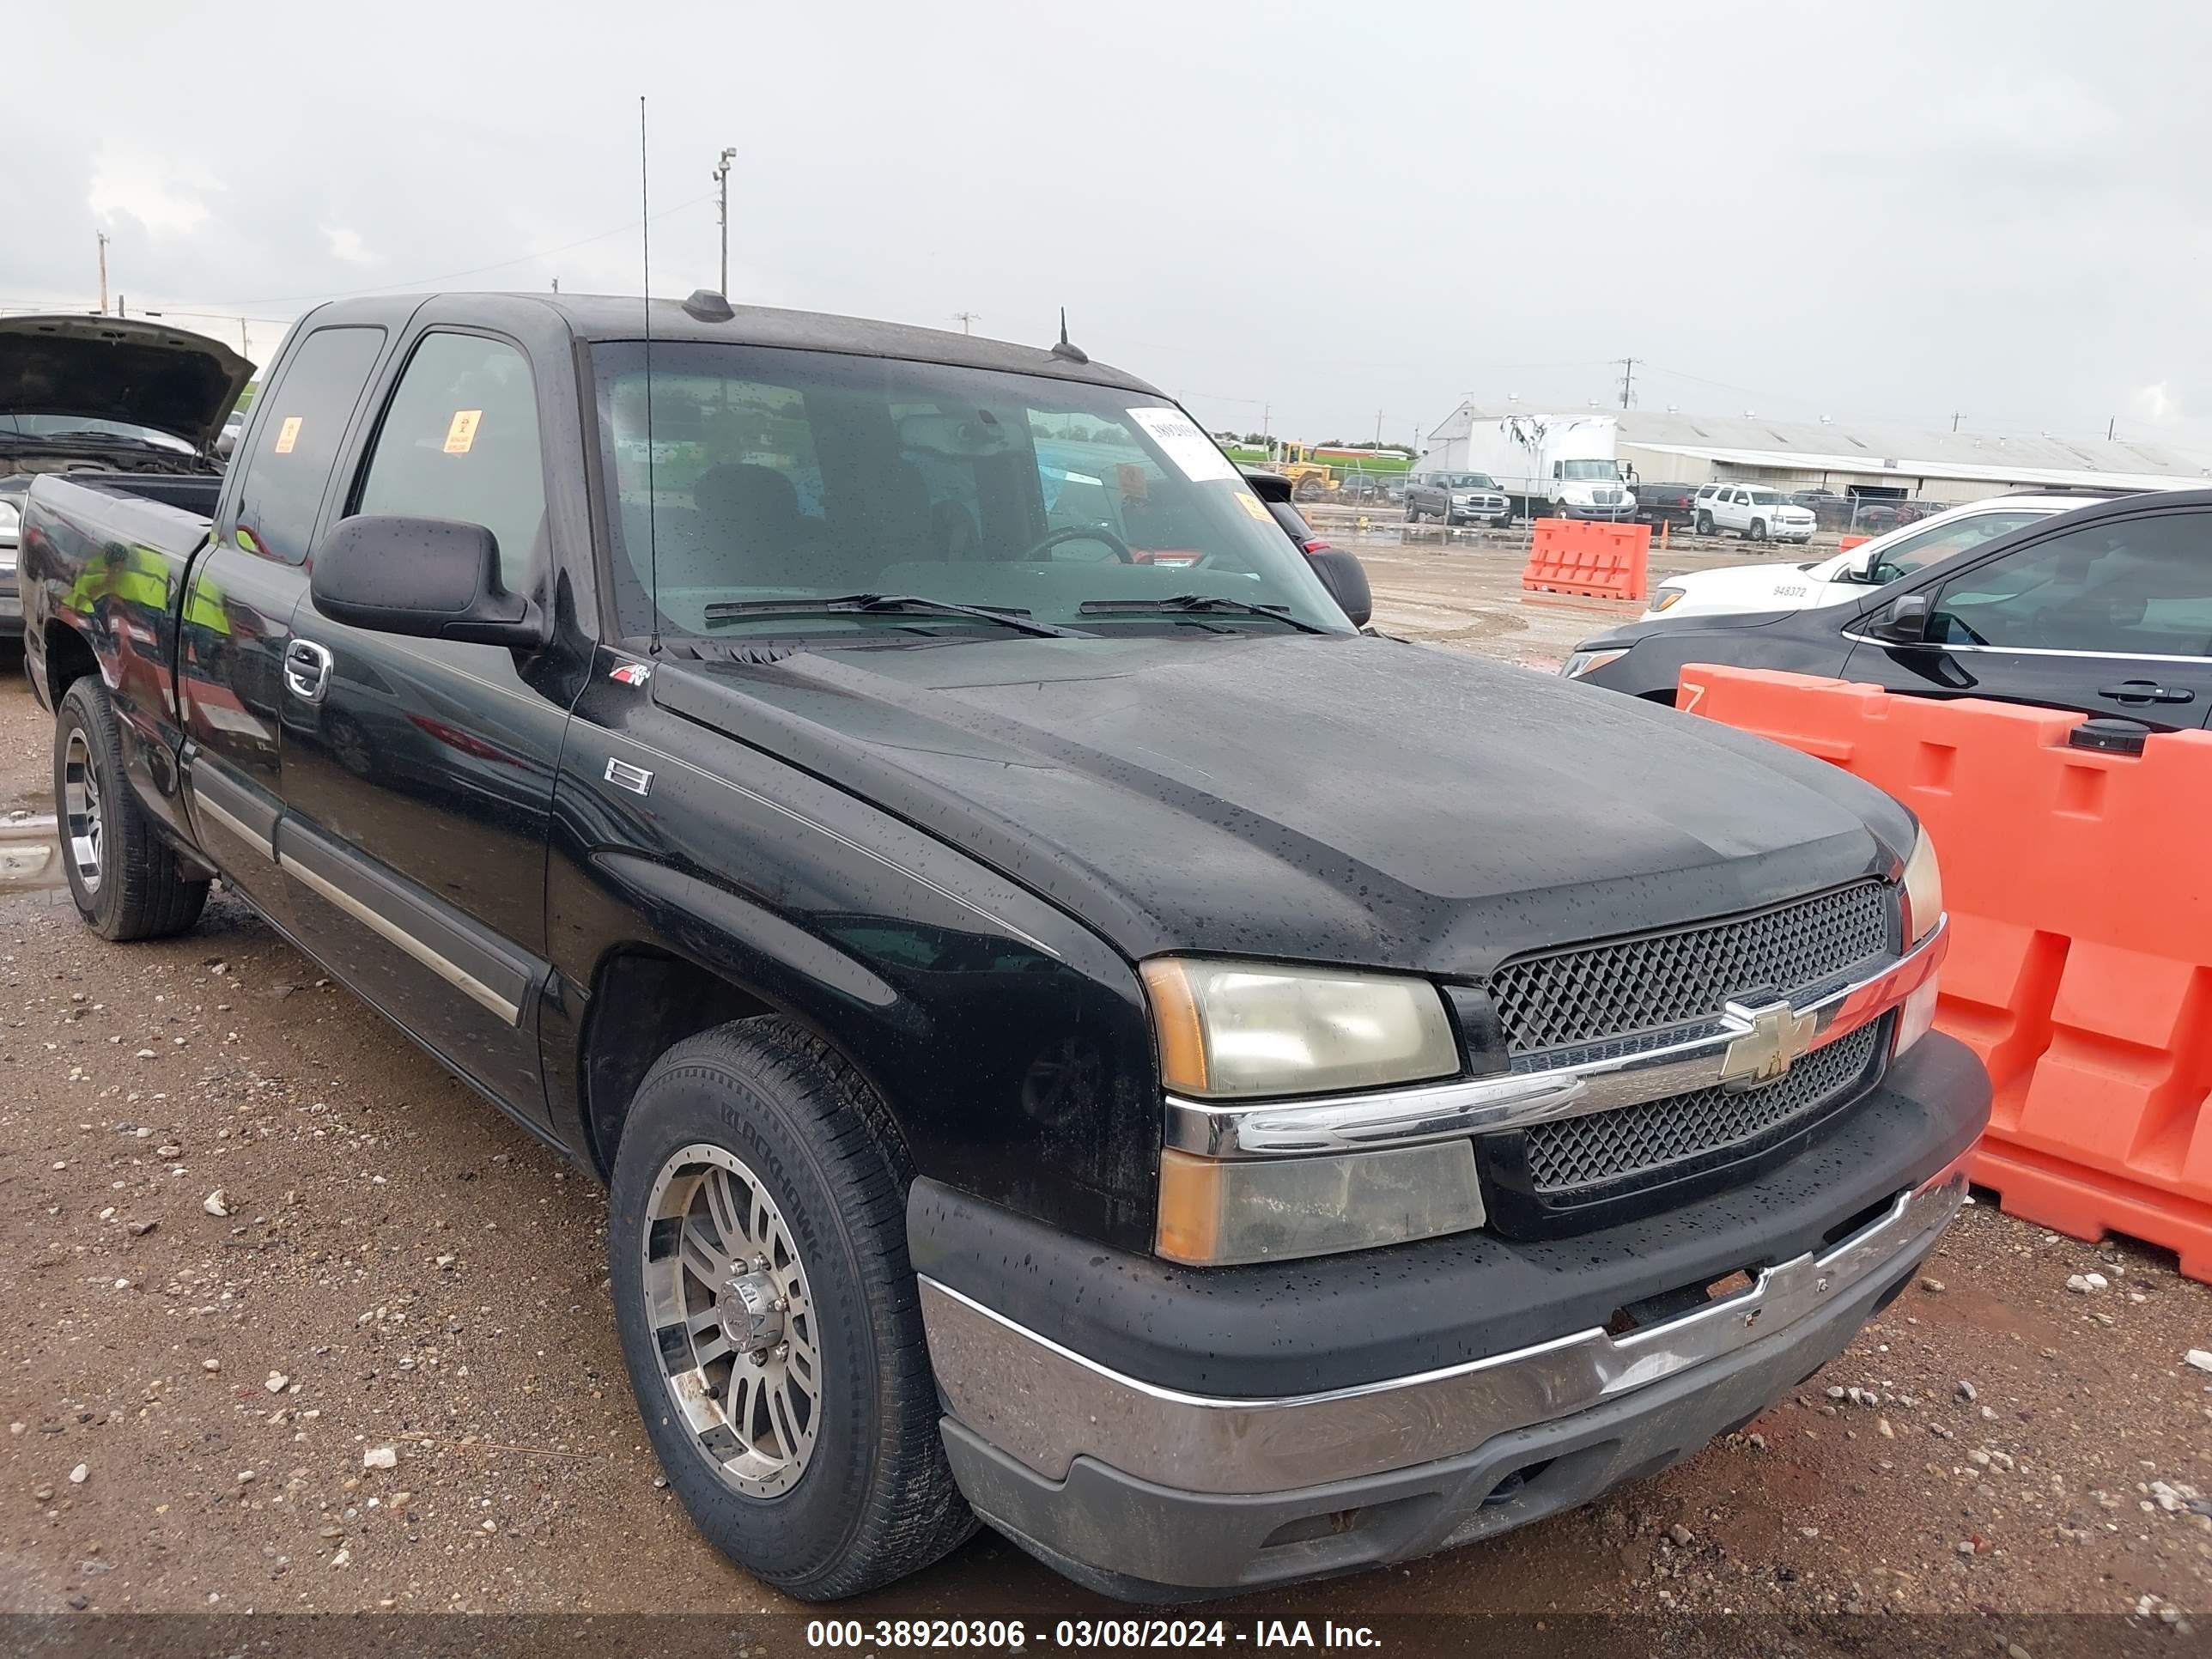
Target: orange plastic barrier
x=1597, y=561
x=1848, y=543
x=2081, y=964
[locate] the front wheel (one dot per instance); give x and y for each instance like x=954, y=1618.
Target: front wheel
x=1705, y=524
x=126, y=882
x=1758, y=531
x=769, y=1319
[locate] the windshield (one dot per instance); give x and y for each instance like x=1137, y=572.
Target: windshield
x=85, y=426
x=1471, y=481
x=774, y=474
x=1590, y=469
x=1921, y=547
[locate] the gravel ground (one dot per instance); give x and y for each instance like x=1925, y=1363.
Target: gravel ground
x=300, y=1324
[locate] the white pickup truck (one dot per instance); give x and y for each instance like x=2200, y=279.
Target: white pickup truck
x=1755, y=512
x=1841, y=576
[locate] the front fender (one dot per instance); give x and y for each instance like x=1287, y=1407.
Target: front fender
x=1011, y=1042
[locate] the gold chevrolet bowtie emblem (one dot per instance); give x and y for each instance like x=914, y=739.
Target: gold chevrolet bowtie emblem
x=1774, y=1034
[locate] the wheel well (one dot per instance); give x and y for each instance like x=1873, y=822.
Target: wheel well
x=68, y=659
x=644, y=1003
x=1664, y=699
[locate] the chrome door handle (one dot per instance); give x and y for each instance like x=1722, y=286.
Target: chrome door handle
x=307, y=670
x=2146, y=691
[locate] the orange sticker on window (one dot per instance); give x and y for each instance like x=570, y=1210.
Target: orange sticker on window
x=289, y=434
x=461, y=432
x=1250, y=503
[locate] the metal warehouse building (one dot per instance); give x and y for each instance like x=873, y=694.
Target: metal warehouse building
x=1854, y=458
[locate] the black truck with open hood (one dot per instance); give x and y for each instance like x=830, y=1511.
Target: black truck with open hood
x=109, y=393
x=1079, y=1035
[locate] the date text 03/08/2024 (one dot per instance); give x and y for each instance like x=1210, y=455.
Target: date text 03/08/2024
x=1013, y=1635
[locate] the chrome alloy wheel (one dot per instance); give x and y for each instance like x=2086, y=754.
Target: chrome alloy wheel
x=733, y=1320
x=81, y=806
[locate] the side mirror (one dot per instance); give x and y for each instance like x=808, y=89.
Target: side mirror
x=1904, y=622
x=429, y=579
x=1346, y=581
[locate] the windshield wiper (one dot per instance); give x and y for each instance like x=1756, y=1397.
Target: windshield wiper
x=729, y=610
x=1191, y=602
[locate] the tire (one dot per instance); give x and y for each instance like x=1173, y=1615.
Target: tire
x=863, y=1494
x=124, y=878
x=1503, y=521
x=1413, y=513
x=1758, y=531
x=1705, y=524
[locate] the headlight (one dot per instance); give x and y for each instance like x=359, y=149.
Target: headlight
x=1589, y=662
x=1215, y=1214
x=1924, y=908
x=1923, y=890
x=1230, y=1029
x=1667, y=598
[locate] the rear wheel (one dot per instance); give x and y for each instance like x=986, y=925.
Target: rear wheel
x=1705, y=524
x=125, y=880
x=769, y=1319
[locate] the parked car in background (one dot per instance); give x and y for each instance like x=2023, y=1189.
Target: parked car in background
x=1089, y=1043
x=1342, y=574
x=226, y=440
x=1664, y=503
x=13, y=487
x=1755, y=512
x=2107, y=609
x=1848, y=575
x=121, y=394
x=1454, y=498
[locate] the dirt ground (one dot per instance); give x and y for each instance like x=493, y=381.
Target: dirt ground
x=188, y=1395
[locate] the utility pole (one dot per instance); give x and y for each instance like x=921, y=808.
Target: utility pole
x=103, y=271
x=1956, y=416
x=1378, y=429
x=1627, y=379
x=2111, y=426
x=121, y=309
x=964, y=318
x=245, y=345
x=557, y=284
x=722, y=212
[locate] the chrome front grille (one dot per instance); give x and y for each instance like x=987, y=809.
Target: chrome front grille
x=1621, y=987
x=1578, y=1153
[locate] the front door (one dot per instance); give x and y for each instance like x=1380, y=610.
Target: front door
x=2112, y=617
x=418, y=783
x=236, y=626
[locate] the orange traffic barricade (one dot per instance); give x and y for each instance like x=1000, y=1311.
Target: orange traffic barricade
x=1595, y=560
x=2081, y=961
x=1847, y=543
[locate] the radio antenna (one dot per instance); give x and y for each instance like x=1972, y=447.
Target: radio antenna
x=652, y=497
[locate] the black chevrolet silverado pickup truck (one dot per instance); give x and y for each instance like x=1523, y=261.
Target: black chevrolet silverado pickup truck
x=1076, y=1034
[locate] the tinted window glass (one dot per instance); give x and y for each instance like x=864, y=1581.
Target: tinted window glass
x=298, y=440
x=459, y=440
x=2139, y=586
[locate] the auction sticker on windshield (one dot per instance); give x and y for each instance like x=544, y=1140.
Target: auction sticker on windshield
x=1190, y=449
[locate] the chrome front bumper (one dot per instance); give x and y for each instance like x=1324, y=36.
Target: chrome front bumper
x=1045, y=1406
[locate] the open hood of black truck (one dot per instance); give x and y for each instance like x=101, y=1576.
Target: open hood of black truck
x=116, y=368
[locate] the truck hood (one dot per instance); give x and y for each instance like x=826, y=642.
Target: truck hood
x=115, y=368
x=1334, y=800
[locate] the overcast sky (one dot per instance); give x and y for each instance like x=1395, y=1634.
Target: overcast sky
x=1999, y=207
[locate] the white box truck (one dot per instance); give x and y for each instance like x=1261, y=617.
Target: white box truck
x=1560, y=466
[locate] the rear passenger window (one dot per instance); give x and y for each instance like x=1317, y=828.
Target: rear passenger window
x=297, y=441
x=460, y=441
